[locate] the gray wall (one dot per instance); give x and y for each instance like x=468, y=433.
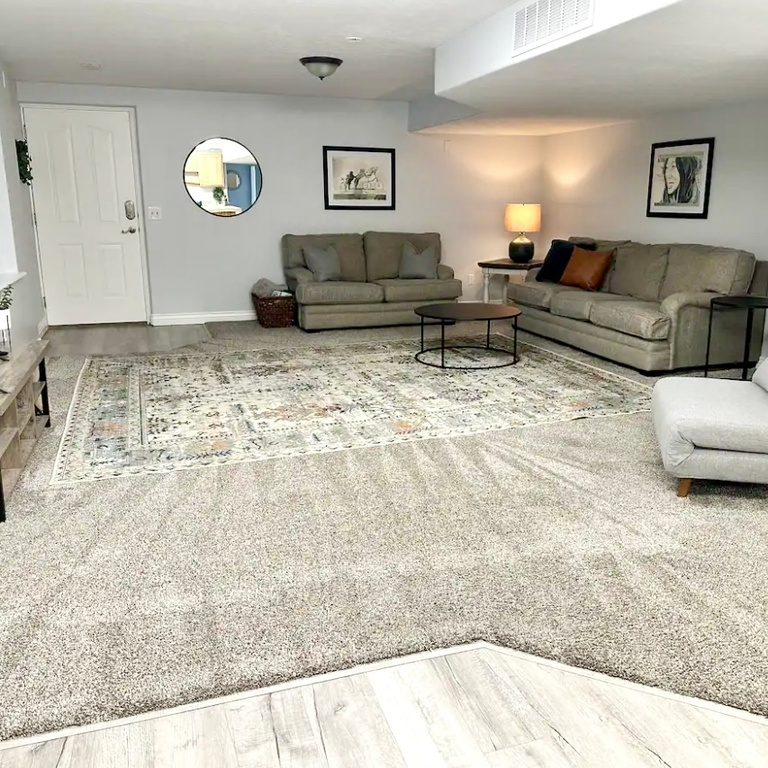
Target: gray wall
x=201, y=263
x=596, y=181
x=17, y=235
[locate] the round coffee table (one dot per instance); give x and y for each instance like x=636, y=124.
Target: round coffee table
x=452, y=312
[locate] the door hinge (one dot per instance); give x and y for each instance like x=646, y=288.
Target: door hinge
x=45, y=303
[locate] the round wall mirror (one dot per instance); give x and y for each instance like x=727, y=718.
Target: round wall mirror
x=222, y=177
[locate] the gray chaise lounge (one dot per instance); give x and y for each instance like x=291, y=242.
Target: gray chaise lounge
x=713, y=429
x=370, y=292
x=652, y=311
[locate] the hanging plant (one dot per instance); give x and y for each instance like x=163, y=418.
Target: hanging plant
x=25, y=162
x=5, y=297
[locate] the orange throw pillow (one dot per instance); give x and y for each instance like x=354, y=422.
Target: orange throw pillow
x=586, y=269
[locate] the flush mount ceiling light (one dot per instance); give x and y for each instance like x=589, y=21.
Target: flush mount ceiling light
x=90, y=65
x=321, y=66
x=354, y=39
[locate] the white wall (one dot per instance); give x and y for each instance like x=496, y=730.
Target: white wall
x=17, y=236
x=596, y=181
x=201, y=263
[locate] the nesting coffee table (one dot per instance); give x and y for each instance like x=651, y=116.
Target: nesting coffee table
x=452, y=312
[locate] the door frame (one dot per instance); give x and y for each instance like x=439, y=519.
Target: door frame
x=136, y=182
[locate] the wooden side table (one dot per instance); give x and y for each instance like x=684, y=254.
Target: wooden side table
x=504, y=267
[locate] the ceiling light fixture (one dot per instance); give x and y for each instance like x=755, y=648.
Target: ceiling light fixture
x=321, y=66
x=90, y=65
x=354, y=39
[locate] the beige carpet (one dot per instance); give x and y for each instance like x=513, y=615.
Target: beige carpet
x=563, y=540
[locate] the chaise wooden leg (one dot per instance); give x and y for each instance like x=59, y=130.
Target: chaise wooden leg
x=684, y=486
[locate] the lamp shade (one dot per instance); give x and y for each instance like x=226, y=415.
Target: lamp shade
x=522, y=217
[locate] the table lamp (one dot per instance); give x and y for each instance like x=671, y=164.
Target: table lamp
x=522, y=218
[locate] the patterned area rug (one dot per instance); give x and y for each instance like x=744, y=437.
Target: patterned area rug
x=159, y=413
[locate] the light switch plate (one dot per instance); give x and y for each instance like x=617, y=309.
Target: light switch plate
x=154, y=213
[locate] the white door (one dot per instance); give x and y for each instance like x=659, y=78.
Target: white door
x=85, y=197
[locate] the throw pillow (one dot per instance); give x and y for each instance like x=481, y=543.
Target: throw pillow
x=417, y=266
x=557, y=260
x=323, y=263
x=586, y=269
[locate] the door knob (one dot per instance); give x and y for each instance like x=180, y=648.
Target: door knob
x=129, y=231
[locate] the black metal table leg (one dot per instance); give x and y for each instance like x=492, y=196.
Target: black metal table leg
x=442, y=343
x=488, y=336
x=422, y=333
x=46, y=411
x=514, y=325
x=747, y=345
x=709, y=340
x=2, y=500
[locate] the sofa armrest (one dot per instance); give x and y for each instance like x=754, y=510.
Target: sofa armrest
x=444, y=272
x=530, y=275
x=672, y=305
x=294, y=276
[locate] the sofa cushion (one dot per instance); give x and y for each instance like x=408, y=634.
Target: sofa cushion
x=578, y=304
x=534, y=294
x=419, y=290
x=418, y=265
x=383, y=250
x=338, y=292
x=323, y=263
x=699, y=268
x=643, y=319
x=586, y=269
x=760, y=376
x=556, y=260
x=348, y=246
x=638, y=271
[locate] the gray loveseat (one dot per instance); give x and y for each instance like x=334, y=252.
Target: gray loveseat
x=652, y=311
x=370, y=292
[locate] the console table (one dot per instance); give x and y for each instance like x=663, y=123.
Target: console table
x=504, y=267
x=24, y=413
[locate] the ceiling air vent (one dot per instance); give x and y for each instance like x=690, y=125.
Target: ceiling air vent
x=543, y=21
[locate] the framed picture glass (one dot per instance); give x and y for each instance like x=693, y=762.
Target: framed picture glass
x=359, y=178
x=680, y=177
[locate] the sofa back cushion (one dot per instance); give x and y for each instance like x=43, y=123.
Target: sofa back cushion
x=638, y=270
x=348, y=246
x=701, y=268
x=383, y=251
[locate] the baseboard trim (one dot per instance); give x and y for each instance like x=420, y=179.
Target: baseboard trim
x=203, y=317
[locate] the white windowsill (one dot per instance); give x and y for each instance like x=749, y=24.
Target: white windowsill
x=9, y=278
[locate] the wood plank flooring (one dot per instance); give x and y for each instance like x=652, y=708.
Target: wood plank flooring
x=121, y=339
x=481, y=707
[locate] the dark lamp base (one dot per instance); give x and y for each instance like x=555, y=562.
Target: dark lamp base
x=521, y=253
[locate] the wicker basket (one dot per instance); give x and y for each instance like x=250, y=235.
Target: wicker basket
x=275, y=311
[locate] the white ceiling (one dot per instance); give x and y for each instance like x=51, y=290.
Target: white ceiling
x=246, y=46
x=692, y=55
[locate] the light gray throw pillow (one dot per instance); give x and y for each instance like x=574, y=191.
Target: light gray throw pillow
x=760, y=376
x=323, y=263
x=418, y=266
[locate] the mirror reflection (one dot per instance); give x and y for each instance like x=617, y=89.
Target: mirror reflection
x=222, y=177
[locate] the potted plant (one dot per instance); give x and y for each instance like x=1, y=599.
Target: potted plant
x=218, y=195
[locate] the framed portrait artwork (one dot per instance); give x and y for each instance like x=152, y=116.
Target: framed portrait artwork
x=359, y=178
x=680, y=178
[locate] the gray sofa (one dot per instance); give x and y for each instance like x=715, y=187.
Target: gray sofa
x=370, y=292
x=652, y=311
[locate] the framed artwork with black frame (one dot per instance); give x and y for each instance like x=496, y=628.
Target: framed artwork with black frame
x=359, y=178
x=680, y=179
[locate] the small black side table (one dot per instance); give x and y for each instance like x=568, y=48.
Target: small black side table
x=750, y=303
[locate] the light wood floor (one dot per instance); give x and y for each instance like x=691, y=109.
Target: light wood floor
x=123, y=339
x=474, y=707
x=481, y=707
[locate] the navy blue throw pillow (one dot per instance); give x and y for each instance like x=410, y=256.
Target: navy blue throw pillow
x=557, y=259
